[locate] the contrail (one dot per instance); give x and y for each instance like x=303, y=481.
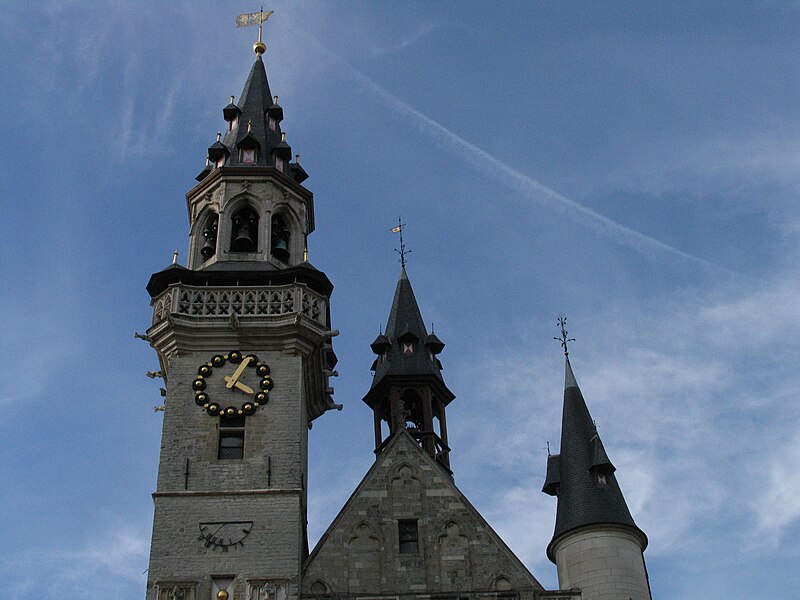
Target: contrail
x=526, y=186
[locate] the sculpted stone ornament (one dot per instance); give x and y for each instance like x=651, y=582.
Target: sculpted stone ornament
x=249, y=379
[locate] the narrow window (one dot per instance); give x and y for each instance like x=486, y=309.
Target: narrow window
x=231, y=438
x=602, y=478
x=248, y=155
x=407, y=534
x=233, y=123
x=273, y=124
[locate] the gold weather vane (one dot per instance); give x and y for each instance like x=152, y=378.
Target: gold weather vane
x=562, y=323
x=251, y=20
x=402, y=252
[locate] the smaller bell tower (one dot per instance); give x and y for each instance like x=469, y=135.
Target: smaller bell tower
x=408, y=391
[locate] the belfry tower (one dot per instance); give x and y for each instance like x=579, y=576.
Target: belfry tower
x=243, y=339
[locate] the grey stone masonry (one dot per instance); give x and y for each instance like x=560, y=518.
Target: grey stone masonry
x=456, y=551
x=243, y=519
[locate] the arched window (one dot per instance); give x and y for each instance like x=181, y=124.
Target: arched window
x=209, y=247
x=279, y=246
x=244, y=233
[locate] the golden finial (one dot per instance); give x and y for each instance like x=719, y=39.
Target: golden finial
x=175, y=257
x=251, y=19
x=219, y=136
x=283, y=136
x=231, y=99
x=249, y=125
x=276, y=99
x=297, y=159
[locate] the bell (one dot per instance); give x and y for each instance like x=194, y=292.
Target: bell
x=243, y=241
x=280, y=249
x=209, y=248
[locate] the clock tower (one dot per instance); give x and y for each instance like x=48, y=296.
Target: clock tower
x=243, y=338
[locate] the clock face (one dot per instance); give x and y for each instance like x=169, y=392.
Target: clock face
x=224, y=534
x=232, y=384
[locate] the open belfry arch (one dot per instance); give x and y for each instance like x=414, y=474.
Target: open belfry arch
x=244, y=340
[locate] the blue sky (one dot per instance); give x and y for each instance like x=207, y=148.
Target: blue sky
x=633, y=165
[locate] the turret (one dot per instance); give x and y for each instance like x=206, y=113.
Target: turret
x=596, y=545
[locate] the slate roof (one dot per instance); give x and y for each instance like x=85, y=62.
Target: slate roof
x=256, y=98
x=582, y=500
x=405, y=323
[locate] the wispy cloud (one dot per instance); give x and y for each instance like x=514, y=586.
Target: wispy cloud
x=525, y=186
x=111, y=563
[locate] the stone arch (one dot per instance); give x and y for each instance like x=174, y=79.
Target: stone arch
x=244, y=224
x=232, y=206
x=455, y=569
x=501, y=583
x=364, y=559
x=406, y=492
x=319, y=588
x=197, y=237
x=287, y=234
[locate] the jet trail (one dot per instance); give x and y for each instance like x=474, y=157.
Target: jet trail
x=526, y=186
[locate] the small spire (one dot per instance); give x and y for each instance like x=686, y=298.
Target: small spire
x=175, y=257
x=219, y=136
x=297, y=159
x=562, y=323
x=276, y=99
x=402, y=252
x=231, y=102
x=249, y=125
x=283, y=136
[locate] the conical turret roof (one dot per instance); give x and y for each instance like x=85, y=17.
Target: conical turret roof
x=582, y=475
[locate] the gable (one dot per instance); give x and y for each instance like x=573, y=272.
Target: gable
x=369, y=547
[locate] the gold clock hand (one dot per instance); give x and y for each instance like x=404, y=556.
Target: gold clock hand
x=246, y=389
x=231, y=381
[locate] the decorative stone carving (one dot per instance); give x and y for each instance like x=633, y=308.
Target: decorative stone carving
x=242, y=302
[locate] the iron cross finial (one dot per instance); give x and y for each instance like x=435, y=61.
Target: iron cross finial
x=562, y=323
x=402, y=252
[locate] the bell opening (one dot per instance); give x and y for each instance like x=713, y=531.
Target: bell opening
x=279, y=247
x=244, y=234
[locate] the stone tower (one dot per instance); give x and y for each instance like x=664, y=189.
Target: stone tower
x=243, y=339
x=407, y=530
x=596, y=546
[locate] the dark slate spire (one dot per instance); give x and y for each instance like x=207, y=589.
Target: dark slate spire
x=254, y=126
x=410, y=350
x=582, y=475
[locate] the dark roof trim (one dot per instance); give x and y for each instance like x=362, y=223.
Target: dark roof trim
x=316, y=280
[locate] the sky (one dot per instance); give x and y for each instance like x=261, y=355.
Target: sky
x=632, y=165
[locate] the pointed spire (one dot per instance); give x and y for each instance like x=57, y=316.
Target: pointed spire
x=254, y=125
x=406, y=348
x=582, y=475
